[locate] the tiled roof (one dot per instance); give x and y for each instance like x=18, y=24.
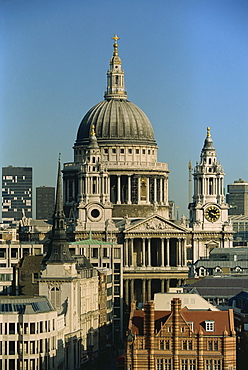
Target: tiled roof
x=220, y=318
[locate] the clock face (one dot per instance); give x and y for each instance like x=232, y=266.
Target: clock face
x=212, y=213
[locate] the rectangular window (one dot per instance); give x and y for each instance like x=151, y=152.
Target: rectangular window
x=32, y=328
x=2, y=252
x=25, y=344
x=14, y=253
x=94, y=252
x=159, y=364
x=161, y=344
x=210, y=345
x=11, y=364
x=209, y=365
x=114, y=151
x=129, y=151
x=216, y=346
x=105, y=151
x=184, y=364
x=26, y=331
x=12, y=328
x=11, y=347
x=122, y=151
x=192, y=364
x=117, y=253
x=217, y=364
x=32, y=347
x=209, y=325
x=137, y=151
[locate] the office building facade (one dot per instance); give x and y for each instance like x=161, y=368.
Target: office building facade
x=237, y=197
x=16, y=194
x=45, y=196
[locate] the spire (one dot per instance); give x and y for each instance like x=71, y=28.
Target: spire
x=115, y=75
x=58, y=251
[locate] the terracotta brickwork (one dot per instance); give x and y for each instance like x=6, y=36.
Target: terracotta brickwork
x=180, y=339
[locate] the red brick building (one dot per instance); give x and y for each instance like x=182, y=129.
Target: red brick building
x=180, y=339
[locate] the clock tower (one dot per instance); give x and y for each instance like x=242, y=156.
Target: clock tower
x=209, y=211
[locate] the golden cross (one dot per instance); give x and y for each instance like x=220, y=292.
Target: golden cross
x=116, y=38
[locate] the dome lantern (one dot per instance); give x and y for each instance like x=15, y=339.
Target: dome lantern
x=115, y=76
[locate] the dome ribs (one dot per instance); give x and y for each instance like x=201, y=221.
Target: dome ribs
x=116, y=119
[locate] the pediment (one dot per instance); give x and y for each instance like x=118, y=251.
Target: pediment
x=155, y=224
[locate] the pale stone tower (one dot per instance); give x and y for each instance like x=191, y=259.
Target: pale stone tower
x=209, y=211
x=94, y=208
x=64, y=283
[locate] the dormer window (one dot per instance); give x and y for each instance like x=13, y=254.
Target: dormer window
x=209, y=325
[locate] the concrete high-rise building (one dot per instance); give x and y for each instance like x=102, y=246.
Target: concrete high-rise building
x=237, y=198
x=16, y=193
x=45, y=196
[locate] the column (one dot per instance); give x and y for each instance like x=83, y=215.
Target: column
x=149, y=289
x=167, y=285
x=127, y=292
x=143, y=252
x=148, y=190
x=162, y=285
x=155, y=190
x=129, y=189
x=138, y=190
x=149, y=252
x=126, y=252
x=184, y=253
x=162, y=251
x=167, y=252
x=131, y=253
x=67, y=190
x=118, y=189
x=132, y=290
x=144, y=290
x=179, y=243
x=161, y=190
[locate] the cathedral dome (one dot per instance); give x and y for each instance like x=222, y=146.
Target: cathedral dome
x=116, y=120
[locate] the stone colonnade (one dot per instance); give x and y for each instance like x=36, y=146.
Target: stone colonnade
x=139, y=189
x=169, y=252
x=146, y=291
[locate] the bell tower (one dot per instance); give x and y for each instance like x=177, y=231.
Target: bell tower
x=94, y=207
x=209, y=211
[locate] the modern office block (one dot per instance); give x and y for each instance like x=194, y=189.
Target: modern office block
x=237, y=197
x=16, y=194
x=44, y=202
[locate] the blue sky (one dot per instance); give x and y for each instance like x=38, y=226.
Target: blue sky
x=185, y=65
